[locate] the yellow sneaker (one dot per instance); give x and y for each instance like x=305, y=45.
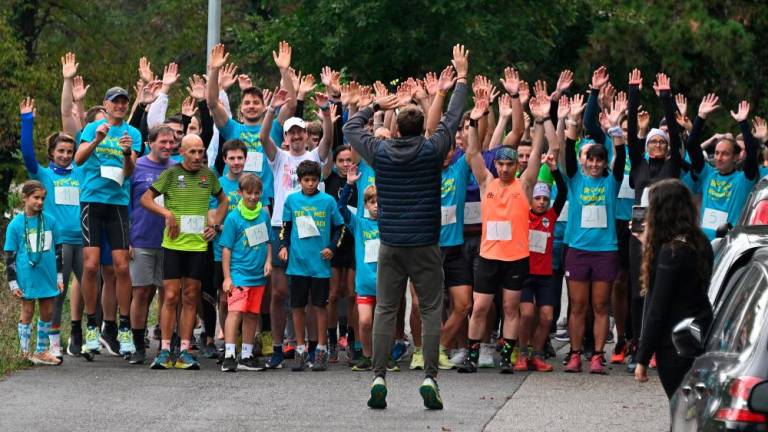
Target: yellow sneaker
x=443, y=361
x=266, y=344
x=417, y=359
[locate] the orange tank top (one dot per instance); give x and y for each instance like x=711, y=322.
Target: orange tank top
x=504, y=211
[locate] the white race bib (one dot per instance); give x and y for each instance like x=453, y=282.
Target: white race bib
x=498, y=230
x=254, y=161
x=644, y=198
x=472, y=213
x=306, y=226
x=563, y=213
x=537, y=241
x=160, y=200
x=372, y=251
x=192, y=224
x=66, y=195
x=366, y=213
x=113, y=173
x=625, y=191
x=448, y=215
x=594, y=216
x=256, y=234
x=47, y=241
x=713, y=218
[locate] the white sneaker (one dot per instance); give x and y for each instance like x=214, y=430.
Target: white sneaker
x=56, y=351
x=459, y=356
x=486, y=356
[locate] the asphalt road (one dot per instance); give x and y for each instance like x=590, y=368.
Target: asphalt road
x=110, y=394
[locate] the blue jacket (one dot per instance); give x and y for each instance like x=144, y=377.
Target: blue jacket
x=408, y=175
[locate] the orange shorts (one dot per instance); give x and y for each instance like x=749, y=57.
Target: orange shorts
x=245, y=299
x=366, y=300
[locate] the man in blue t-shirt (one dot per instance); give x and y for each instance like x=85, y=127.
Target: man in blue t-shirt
x=105, y=157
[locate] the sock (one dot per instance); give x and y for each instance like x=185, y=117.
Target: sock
x=43, y=329
x=277, y=349
x=165, y=344
x=474, y=350
x=125, y=323
x=247, y=351
x=312, y=346
x=358, y=345
x=266, y=323
x=300, y=349
x=110, y=327
x=55, y=337
x=76, y=327
x=91, y=320
x=229, y=349
x=342, y=326
x=138, y=339
x=333, y=337
x=322, y=348
x=351, y=337
x=506, y=350
x=25, y=334
x=184, y=346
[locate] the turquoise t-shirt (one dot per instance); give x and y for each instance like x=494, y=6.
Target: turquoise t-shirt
x=230, y=188
x=626, y=197
x=366, y=233
x=763, y=171
x=101, y=169
x=38, y=281
x=453, y=193
x=248, y=241
x=722, y=198
x=62, y=200
x=250, y=136
x=559, y=234
x=592, y=212
x=367, y=178
x=312, y=218
x=177, y=158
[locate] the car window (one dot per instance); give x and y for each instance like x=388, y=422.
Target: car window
x=738, y=323
x=759, y=214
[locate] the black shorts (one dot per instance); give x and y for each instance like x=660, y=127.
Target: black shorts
x=97, y=219
x=182, y=264
x=457, y=270
x=303, y=287
x=344, y=257
x=218, y=275
x=493, y=275
x=622, y=237
x=539, y=288
x=471, y=251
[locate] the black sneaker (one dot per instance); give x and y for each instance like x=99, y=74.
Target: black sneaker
x=137, y=358
x=109, y=341
x=300, y=362
x=75, y=344
x=250, y=364
x=467, y=367
x=156, y=333
x=229, y=364
x=507, y=368
x=321, y=361
x=175, y=346
x=210, y=351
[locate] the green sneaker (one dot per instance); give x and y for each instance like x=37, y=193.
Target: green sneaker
x=162, y=361
x=515, y=355
x=378, y=398
x=187, y=361
x=92, y=335
x=443, y=361
x=364, y=364
x=431, y=394
x=125, y=337
x=417, y=359
x=392, y=366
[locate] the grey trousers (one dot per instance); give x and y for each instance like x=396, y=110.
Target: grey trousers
x=423, y=265
x=72, y=259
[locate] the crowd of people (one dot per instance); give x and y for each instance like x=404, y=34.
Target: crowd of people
x=257, y=222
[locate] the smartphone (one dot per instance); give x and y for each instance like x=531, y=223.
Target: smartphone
x=638, y=217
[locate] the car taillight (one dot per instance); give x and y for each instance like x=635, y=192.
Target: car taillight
x=739, y=410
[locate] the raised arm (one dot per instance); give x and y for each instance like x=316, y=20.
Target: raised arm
x=157, y=111
x=273, y=102
x=282, y=60
x=505, y=113
x=591, y=123
x=511, y=83
x=444, y=84
x=751, y=161
x=473, y=155
x=539, y=105
x=446, y=130
x=328, y=115
x=665, y=93
x=27, y=109
x=218, y=58
x=709, y=104
x=613, y=115
x=636, y=147
x=84, y=150
x=572, y=134
x=70, y=122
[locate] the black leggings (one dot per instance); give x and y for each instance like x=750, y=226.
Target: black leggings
x=209, y=296
x=672, y=368
x=635, y=301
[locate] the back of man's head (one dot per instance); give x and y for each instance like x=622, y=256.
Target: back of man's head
x=410, y=121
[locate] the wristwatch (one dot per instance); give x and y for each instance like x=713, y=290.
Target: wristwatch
x=376, y=107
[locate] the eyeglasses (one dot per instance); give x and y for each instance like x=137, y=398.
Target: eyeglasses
x=657, y=143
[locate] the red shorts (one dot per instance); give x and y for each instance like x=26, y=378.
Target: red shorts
x=366, y=300
x=245, y=299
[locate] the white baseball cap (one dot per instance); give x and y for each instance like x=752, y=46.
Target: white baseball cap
x=294, y=121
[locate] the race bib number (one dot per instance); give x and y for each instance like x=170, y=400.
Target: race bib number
x=254, y=161
x=47, y=241
x=498, y=230
x=563, y=213
x=537, y=241
x=192, y=224
x=372, y=251
x=306, y=226
x=625, y=191
x=66, y=195
x=594, y=216
x=256, y=234
x=113, y=173
x=448, y=215
x=713, y=218
x=160, y=200
x=472, y=213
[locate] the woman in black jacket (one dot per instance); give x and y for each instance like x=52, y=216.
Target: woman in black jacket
x=676, y=269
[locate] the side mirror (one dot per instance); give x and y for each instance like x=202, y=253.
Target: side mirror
x=758, y=398
x=722, y=230
x=686, y=336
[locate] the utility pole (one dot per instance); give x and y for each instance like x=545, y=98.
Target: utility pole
x=214, y=26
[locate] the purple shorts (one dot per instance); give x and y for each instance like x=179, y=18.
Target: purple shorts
x=586, y=266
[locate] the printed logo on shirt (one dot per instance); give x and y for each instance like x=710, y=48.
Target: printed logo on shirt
x=545, y=222
x=318, y=216
x=180, y=180
x=448, y=187
x=110, y=146
x=203, y=182
x=289, y=181
x=592, y=195
x=251, y=140
x=66, y=182
x=720, y=190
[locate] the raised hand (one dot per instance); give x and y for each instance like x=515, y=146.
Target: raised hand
x=511, y=81
x=742, y=113
x=636, y=78
x=283, y=55
x=540, y=88
x=661, y=84
x=447, y=79
x=577, y=106
x=621, y=101
x=550, y=161
x=708, y=104
x=682, y=103
x=430, y=81
x=196, y=87
x=600, y=77
x=69, y=65
x=613, y=115
x=145, y=70
x=280, y=98
x=366, y=97
x=540, y=106
x=101, y=131
x=607, y=92
x=306, y=84
x=505, y=106
x=150, y=92
x=564, y=82
x=643, y=120
x=525, y=92
x=480, y=108
x=170, y=74
x=460, y=60
x=227, y=76
x=760, y=129
x=321, y=100
x=219, y=56
x=387, y=102
x=380, y=89
x=27, y=105
x=563, y=107
x=244, y=82
x=404, y=94
x=331, y=80
x=188, y=106
x=79, y=89
x=353, y=175
x=125, y=142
